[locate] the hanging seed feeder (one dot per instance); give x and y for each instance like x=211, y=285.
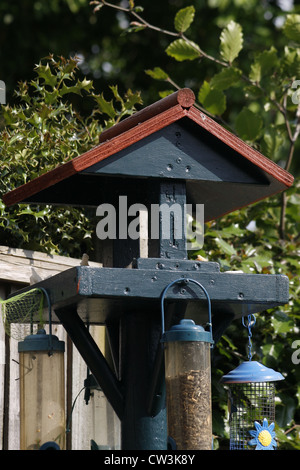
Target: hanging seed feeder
x=188, y=381
x=42, y=391
x=251, y=390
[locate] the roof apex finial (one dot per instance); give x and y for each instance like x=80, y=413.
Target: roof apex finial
x=185, y=97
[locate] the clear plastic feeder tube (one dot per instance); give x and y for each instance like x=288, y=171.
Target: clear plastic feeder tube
x=42, y=393
x=188, y=379
x=188, y=388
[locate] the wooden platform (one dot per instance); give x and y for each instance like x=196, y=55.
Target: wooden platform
x=102, y=294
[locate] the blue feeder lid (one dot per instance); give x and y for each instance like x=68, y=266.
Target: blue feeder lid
x=251, y=371
x=40, y=342
x=187, y=330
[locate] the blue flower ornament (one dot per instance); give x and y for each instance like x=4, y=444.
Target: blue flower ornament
x=263, y=436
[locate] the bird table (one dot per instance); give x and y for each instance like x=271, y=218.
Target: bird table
x=168, y=153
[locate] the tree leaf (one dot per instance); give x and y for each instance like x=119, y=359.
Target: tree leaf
x=285, y=412
x=106, y=107
x=165, y=93
x=263, y=64
x=226, y=78
x=131, y=100
x=248, y=124
x=114, y=89
x=183, y=50
x=135, y=27
x=214, y=101
x=232, y=230
x=291, y=62
x=44, y=72
x=77, y=88
x=273, y=139
x=231, y=41
x=69, y=89
x=85, y=84
x=157, y=73
x=291, y=28
x=184, y=19
x=225, y=247
x=282, y=323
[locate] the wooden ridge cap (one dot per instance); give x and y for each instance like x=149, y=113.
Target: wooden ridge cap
x=184, y=97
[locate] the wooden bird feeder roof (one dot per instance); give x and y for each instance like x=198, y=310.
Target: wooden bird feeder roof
x=170, y=139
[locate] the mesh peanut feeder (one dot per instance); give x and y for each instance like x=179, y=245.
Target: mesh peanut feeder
x=251, y=390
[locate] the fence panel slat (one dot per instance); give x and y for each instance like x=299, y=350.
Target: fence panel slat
x=18, y=267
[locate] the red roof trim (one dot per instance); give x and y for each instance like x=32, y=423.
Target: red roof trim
x=95, y=155
x=241, y=147
x=135, y=128
x=127, y=138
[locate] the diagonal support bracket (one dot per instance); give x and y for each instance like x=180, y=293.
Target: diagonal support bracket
x=93, y=357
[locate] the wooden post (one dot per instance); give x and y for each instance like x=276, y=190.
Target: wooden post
x=144, y=424
x=141, y=337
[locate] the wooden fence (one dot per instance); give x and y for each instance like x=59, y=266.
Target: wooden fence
x=86, y=423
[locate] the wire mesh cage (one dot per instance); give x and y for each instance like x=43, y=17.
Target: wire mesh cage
x=18, y=313
x=250, y=403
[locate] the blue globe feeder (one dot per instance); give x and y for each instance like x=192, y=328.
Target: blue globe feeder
x=251, y=390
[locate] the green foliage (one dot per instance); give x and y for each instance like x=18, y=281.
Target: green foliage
x=248, y=125
x=250, y=91
x=184, y=19
x=238, y=246
x=126, y=105
x=40, y=133
x=157, y=73
x=292, y=27
x=182, y=50
x=267, y=117
x=264, y=64
x=213, y=100
x=226, y=78
x=231, y=41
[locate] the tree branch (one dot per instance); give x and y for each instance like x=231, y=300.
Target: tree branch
x=293, y=138
x=282, y=108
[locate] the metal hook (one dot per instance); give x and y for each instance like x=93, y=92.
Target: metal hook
x=50, y=352
x=185, y=281
x=251, y=321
